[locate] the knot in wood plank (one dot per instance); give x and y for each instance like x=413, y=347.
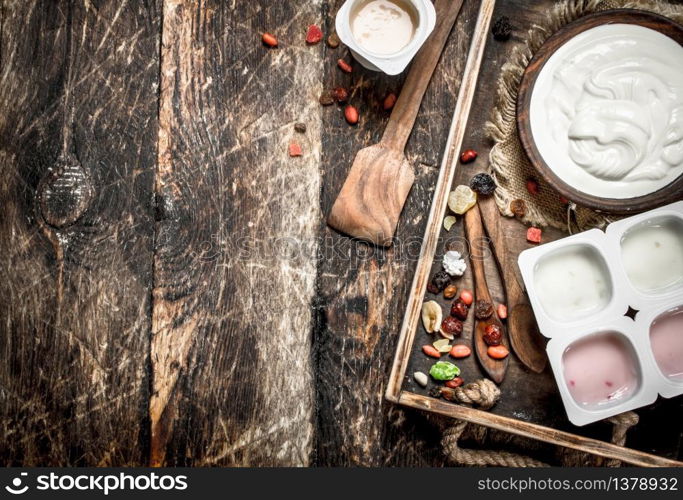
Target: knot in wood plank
x=65, y=192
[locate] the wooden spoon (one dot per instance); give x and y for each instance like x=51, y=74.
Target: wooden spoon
x=525, y=337
x=371, y=200
x=495, y=368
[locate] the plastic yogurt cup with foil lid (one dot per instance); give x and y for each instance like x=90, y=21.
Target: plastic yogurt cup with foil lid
x=384, y=35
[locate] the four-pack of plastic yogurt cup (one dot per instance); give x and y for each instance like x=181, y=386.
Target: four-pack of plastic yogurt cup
x=612, y=305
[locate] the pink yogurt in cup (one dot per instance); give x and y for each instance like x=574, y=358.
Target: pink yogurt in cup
x=666, y=338
x=600, y=370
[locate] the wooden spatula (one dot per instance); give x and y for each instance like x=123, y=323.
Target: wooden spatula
x=525, y=338
x=495, y=368
x=371, y=200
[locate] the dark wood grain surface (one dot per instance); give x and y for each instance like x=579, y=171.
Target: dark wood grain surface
x=169, y=291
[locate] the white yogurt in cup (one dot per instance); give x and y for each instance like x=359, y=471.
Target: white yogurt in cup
x=384, y=35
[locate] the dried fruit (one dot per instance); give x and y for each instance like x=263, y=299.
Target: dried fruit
x=432, y=351
x=269, y=40
x=456, y=382
x=467, y=297
x=340, y=94
x=432, y=288
x=351, y=114
x=483, y=184
x=344, y=66
x=502, y=311
x=502, y=29
x=431, y=316
x=448, y=222
x=459, y=309
x=295, y=149
x=435, y=392
x=564, y=200
x=533, y=235
x=498, y=352
x=326, y=98
x=483, y=309
x=462, y=199
x=333, y=41
x=441, y=280
x=518, y=208
x=300, y=127
x=468, y=156
x=421, y=378
x=389, y=101
x=460, y=351
x=450, y=291
x=442, y=345
x=314, y=34
x=451, y=327
x=493, y=335
x=444, y=370
x=532, y=186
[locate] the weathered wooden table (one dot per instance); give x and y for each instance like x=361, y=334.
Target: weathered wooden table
x=170, y=293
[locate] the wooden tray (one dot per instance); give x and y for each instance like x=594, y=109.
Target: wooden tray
x=530, y=404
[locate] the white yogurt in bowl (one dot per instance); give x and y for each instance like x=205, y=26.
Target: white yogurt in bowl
x=383, y=26
x=606, y=111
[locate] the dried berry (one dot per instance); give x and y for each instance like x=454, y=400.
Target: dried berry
x=295, y=149
x=351, y=114
x=502, y=311
x=344, y=66
x=441, y=280
x=451, y=327
x=269, y=40
x=432, y=288
x=456, y=382
x=314, y=34
x=300, y=127
x=460, y=351
x=459, y=309
x=502, y=29
x=533, y=235
x=468, y=156
x=389, y=101
x=532, y=186
x=483, y=309
x=435, y=392
x=564, y=200
x=493, y=335
x=340, y=94
x=326, y=98
x=518, y=208
x=333, y=41
x=483, y=184
x=467, y=297
x=450, y=291
x=498, y=352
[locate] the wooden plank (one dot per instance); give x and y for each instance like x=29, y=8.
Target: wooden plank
x=76, y=233
x=533, y=431
x=236, y=236
x=363, y=289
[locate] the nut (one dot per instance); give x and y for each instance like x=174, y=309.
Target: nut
x=483, y=309
x=432, y=351
x=442, y=346
x=333, y=41
x=269, y=40
x=459, y=309
x=493, y=335
x=344, y=66
x=431, y=316
x=502, y=311
x=451, y=327
x=351, y=114
x=389, y=101
x=450, y=291
x=498, y=352
x=460, y=351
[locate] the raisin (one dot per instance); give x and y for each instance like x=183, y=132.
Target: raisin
x=432, y=288
x=483, y=309
x=326, y=99
x=300, y=127
x=435, y=392
x=493, y=335
x=502, y=29
x=518, y=208
x=483, y=184
x=459, y=309
x=451, y=326
x=450, y=291
x=340, y=94
x=441, y=280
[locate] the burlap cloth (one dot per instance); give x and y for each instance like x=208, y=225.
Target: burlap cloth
x=509, y=163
